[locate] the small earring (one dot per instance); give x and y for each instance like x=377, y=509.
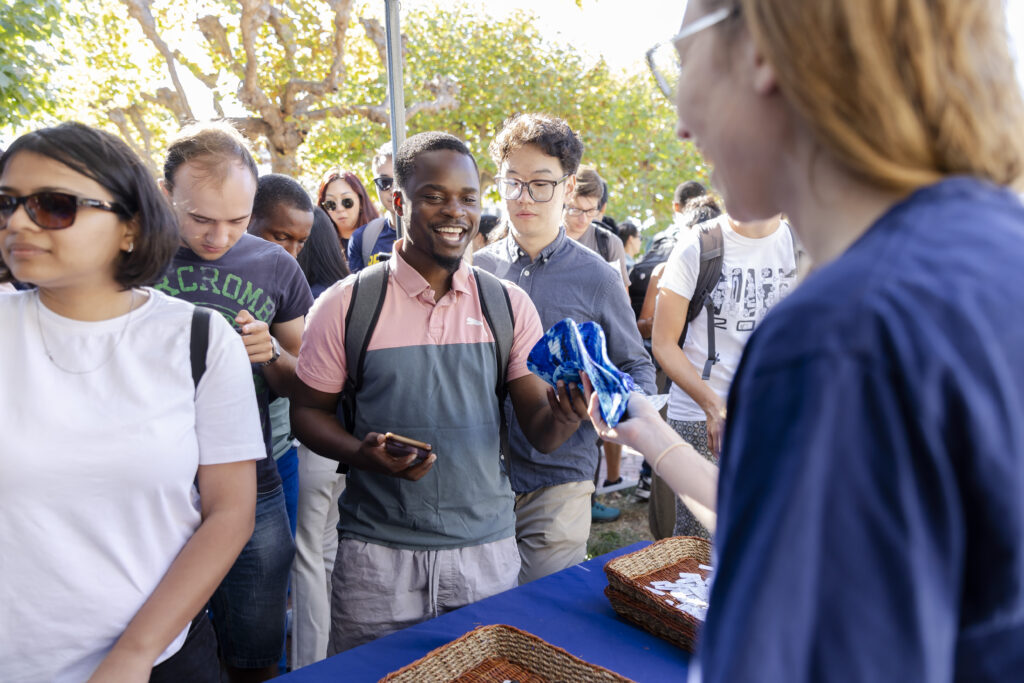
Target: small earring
x=131, y=247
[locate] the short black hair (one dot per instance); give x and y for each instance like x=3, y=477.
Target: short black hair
x=109, y=161
x=405, y=160
x=627, y=229
x=552, y=135
x=273, y=189
x=321, y=259
x=687, y=191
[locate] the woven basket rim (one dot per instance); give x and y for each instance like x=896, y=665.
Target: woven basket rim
x=490, y=636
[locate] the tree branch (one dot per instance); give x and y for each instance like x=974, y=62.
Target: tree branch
x=444, y=89
x=135, y=114
x=254, y=13
x=209, y=80
x=217, y=38
x=285, y=37
x=140, y=11
x=166, y=98
x=119, y=118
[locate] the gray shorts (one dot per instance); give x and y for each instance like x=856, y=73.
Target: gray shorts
x=376, y=590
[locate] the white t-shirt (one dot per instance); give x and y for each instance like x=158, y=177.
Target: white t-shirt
x=96, y=471
x=756, y=274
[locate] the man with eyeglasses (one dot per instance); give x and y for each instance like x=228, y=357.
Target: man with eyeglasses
x=583, y=213
x=537, y=157
x=373, y=242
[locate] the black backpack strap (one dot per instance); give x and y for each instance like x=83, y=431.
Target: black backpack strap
x=497, y=309
x=603, y=236
x=361, y=318
x=371, y=232
x=199, y=342
x=712, y=253
x=364, y=309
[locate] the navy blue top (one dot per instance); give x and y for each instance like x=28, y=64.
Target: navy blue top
x=871, y=496
x=567, y=280
x=383, y=246
x=254, y=275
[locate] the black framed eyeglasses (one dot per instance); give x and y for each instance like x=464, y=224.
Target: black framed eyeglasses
x=346, y=202
x=384, y=183
x=52, y=210
x=539, y=190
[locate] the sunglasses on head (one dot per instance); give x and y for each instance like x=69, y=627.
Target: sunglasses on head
x=331, y=205
x=52, y=210
x=384, y=183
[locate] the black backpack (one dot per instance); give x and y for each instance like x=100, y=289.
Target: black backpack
x=712, y=253
x=604, y=238
x=640, y=276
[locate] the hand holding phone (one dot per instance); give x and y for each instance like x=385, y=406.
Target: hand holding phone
x=401, y=447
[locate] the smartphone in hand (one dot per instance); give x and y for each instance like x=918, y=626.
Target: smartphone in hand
x=401, y=446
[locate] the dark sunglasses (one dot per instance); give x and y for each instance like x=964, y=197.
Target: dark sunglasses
x=384, y=183
x=331, y=205
x=52, y=210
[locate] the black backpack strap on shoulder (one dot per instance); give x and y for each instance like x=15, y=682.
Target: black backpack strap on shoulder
x=199, y=342
x=361, y=318
x=497, y=309
x=712, y=253
x=601, y=236
x=364, y=309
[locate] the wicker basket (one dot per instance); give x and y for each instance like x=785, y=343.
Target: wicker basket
x=629, y=577
x=500, y=653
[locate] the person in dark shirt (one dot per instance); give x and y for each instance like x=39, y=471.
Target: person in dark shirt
x=210, y=178
x=870, y=518
x=381, y=231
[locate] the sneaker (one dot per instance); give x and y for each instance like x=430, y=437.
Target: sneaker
x=643, y=488
x=603, y=513
x=608, y=483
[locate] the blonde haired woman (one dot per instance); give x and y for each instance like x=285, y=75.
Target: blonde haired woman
x=870, y=510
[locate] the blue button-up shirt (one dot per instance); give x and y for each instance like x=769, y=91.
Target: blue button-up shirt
x=567, y=280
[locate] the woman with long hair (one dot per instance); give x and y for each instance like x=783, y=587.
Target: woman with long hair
x=342, y=195
x=870, y=518
x=127, y=488
x=321, y=259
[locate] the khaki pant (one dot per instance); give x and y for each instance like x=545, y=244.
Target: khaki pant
x=378, y=590
x=552, y=528
x=316, y=545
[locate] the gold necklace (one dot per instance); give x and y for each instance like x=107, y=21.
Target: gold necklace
x=49, y=354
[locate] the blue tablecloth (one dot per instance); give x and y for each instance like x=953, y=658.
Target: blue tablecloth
x=567, y=609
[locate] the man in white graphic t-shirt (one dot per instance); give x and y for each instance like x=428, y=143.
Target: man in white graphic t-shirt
x=758, y=269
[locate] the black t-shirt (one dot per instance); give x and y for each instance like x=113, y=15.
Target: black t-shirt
x=256, y=276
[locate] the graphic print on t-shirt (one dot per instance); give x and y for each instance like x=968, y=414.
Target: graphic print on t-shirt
x=746, y=295
x=243, y=295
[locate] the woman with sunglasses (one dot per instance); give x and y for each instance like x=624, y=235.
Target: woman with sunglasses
x=127, y=490
x=870, y=507
x=343, y=197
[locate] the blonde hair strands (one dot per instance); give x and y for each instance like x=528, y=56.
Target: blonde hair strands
x=902, y=92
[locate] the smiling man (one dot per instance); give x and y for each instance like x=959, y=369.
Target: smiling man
x=537, y=157
x=420, y=538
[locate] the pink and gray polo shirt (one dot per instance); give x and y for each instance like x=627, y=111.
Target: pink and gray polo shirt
x=429, y=374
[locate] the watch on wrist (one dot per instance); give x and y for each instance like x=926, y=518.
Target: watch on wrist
x=276, y=353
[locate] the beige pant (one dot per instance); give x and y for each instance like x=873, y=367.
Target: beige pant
x=378, y=590
x=316, y=544
x=552, y=527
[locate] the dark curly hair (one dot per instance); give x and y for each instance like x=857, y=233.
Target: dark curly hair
x=552, y=135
